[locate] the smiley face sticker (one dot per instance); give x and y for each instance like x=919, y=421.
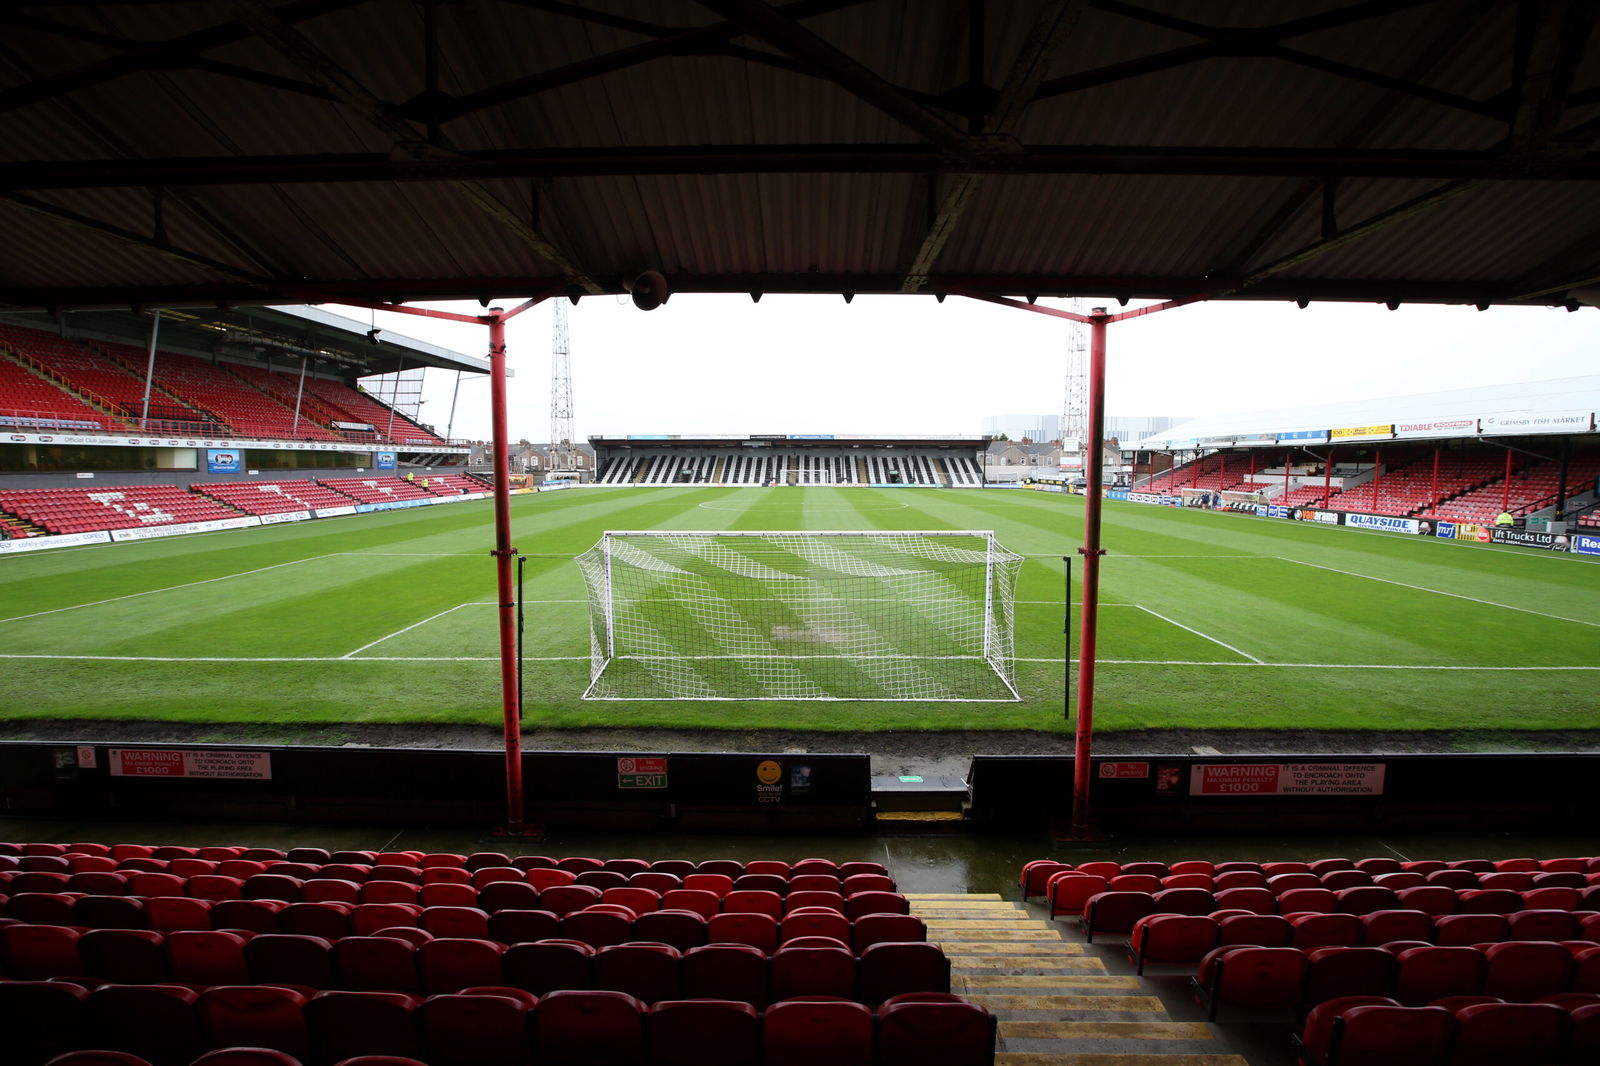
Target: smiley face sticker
x=769, y=771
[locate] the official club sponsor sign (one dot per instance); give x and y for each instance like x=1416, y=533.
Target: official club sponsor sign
x=151, y=532
x=635, y=772
x=334, y=512
x=1287, y=779
x=1586, y=544
x=1326, y=518
x=1304, y=436
x=1445, y=531
x=383, y=460
x=1387, y=523
x=118, y=441
x=64, y=540
x=1439, y=427
x=1524, y=422
x=232, y=765
x=1528, y=538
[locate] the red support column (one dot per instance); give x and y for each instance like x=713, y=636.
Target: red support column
x=1327, y=476
x=1252, y=466
x=1377, y=476
x=1287, y=457
x=510, y=698
x=1433, y=505
x=1505, y=497
x=1091, y=552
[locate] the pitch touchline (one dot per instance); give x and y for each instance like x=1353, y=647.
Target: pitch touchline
x=1438, y=592
x=1197, y=633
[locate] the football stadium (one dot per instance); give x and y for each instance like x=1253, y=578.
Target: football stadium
x=336, y=730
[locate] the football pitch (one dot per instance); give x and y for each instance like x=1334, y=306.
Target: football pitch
x=1208, y=620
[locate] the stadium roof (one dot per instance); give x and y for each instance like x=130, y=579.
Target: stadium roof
x=281, y=335
x=1431, y=415
x=290, y=151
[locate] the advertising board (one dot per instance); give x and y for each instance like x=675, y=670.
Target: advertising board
x=1551, y=422
x=1586, y=544
x=1351, y=433
x=1527, y=538
x=1387, y=523
x=224, y=460
x=63, y=540
x=177, y=529
x=1438, y=427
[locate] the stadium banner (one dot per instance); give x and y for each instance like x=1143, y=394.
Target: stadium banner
x=60, y=540
x=1523, y=422
x=1387, y=522
x=178, y=529
x=360, y=427
x=1287, y=779
x=334, y=512
x=1586, y=544
x=551, y=486
x=224, y=461
x=648, y=436
x=811, y=436
x=1119, y=494
x=1362, y=433
x=383, y=460
x=1326, y=518
x=233, y=765
x=285, y=516
x=1217, y=442
x=1304, y=436
x=1527, y=538
x=1145, y=497
x=110, y=440
x=1439, y=427
x=1446, y=530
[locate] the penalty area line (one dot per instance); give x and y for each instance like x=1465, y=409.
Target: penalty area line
x=1203, y=636
x=1441, y=592
x=413, y=625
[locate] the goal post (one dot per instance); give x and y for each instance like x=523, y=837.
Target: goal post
x=924, y=615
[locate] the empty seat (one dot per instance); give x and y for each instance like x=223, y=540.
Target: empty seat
x=156, y=1022
x=889, y=970
x=1527, y=970
x=449, y=964
x=936, y=1031
x=1432, y=973
x=812, y=1030
x=347, y=1024
x=813, y=971
x=1259, y=978
x=589, y=1027
x=1334, y=972
x=648, y=972
x=41, y=1019
x=467, y=1029
x=725, y=971
x=1386, y=1035
x=293, y=959
x=254, y=1016
x=703, y=1032
x=548, y=966
x=1167, y=939
x=1510, y=1034
x=124, y=956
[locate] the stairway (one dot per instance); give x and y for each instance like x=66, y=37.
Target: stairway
x=1055, y=1002
x=643, y=470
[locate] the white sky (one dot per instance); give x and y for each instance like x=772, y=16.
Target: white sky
x=906, y=364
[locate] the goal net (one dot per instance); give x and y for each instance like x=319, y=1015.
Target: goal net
x=801, y=616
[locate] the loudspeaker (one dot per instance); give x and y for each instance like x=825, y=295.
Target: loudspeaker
x=649, y=290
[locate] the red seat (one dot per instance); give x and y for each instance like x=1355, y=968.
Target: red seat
x=1527, y=970
x=156, y=1022
x=889, y=970
x=1454, y=930
x=1334, y=972
x=935, y=1032
x=1067, y=892
x=682, y=929
x=450, y=964
x=1262, y=930
x=813, y=971
x=1510, y=1034
x=254, y=1016
x=1169, y=939
x=1256, y=977
x=1115, y=912
x=548, y=966
x=1432, y=973
x=1376, y=1035
x=872, y=929
x=589, y=1027
x=375, y=964
x=41, y=1018
x=813, y=1030
x=523, y=926
x=124, y=956
x=344, y=1025
x=474, y=1030
x=37, y=952
x=727, y=972
x=1387, y=926
x=703, y=1032
x=1326, y=930
x=293, y=959
x=646, y=971
x=757, y=930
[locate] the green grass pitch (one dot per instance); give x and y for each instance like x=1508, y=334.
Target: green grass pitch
x=1208, y=621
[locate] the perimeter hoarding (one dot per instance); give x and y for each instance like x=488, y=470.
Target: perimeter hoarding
x=1438, y=427
x=1519, y=422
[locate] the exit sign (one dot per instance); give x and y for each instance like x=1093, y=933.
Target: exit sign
x=635, y=772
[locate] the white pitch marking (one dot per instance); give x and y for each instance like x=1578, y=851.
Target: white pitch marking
x=169, y=588
x=1439, y=592
x=1196, y=632
x=414, y=625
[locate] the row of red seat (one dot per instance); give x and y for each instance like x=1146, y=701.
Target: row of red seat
x=597, y=924
x=1462, y=1031
x=1288, y=978
x=1185, y=939
x=407, y=960
x=169, y=1026
x=1036, y=873
x=121, y=854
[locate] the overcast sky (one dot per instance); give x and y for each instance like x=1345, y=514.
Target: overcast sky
x=907, y=364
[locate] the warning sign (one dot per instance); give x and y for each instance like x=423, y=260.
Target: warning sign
x=634, y=772
x=235, y=765
x=1287, y=779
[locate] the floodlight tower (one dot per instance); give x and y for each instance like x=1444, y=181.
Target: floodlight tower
x=561, y=449
x=1075, y=413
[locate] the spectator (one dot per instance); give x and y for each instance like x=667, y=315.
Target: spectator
x=1505, y=521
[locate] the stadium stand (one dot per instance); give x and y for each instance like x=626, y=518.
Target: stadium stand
x=129, y=507
x=273, y=497
x=236, y=954
x=224, y=397
x=92, y=376
x=359, y=407
x=31, y=401
x=803, y=467
x=1530, y=489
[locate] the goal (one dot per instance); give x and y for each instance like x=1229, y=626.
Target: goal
x=886, y=615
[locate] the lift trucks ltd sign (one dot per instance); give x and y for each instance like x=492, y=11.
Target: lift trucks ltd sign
x=1287, y=779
